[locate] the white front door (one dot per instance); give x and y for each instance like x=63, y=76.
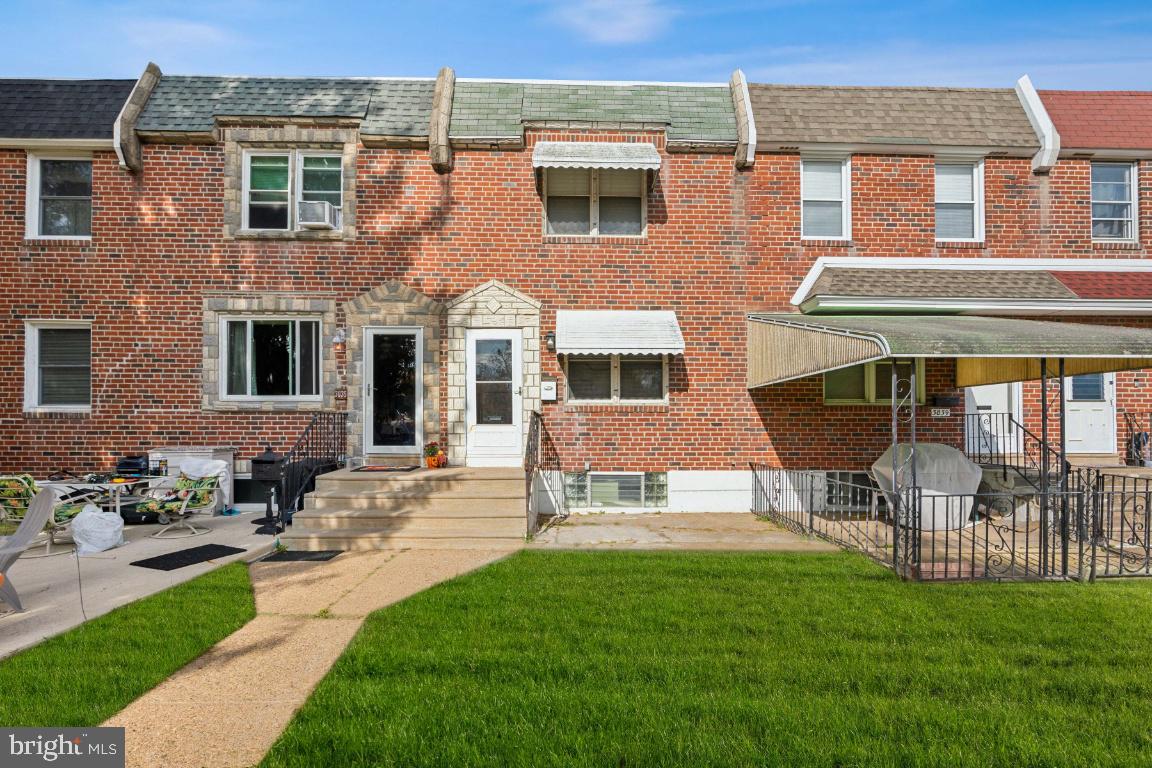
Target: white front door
x=494, y=402
x=1090, y=413
x=393, y=390
x=989, y=429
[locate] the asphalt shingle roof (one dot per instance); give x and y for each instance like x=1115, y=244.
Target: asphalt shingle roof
x=387, y=107
x=788, y=114
x=61, y=109
x=499, y=110
x=940, y=283
x=1101, y=119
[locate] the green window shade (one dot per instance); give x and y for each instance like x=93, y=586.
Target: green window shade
x=268, y=172
x=65, y=366
x=845, y=384
x=321, y=180
x=268, y=192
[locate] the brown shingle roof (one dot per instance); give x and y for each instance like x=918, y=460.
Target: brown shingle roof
x=940, y=284
x=983, y=117
x=1101, y=119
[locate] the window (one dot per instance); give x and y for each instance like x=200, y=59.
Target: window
x=960, y=201
x=1088, y=387
x=583, y=201
x=616, y=489
x=59, y=202
x=58, y=366
x=870, y=383
x=270, y=358
x=1114, y=201
x=824, y=193
x=276, y=182
x=849, y=492
x=615, y=378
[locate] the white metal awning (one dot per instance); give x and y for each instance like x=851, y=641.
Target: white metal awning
x=617, y=332
x=596, y=154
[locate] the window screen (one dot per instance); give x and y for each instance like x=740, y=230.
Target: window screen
x=823, y=203
x=590, y=378
x=569, y=204
x=65, y=366
x=956, y=202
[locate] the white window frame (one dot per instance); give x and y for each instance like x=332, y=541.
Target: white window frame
x=295, y=182
x=32, y=330
x=845, y=197
x=594, y=204
x=615, y=399
x=1135, y=202
x=977, y=203
x=223, y=358
x=32, y=194
x=870, y=385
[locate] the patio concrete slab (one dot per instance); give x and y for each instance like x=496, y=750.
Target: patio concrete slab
x=51, y=589
x=687, y=531
x=307, y=613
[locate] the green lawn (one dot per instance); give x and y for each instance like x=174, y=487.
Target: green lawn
x=84, y=676
x=630, y=659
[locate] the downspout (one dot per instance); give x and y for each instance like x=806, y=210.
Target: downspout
x=745, y=121
x=1044, y=159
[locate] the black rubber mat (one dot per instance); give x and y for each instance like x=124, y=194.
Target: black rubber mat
x=184, y=557
x=293, y=556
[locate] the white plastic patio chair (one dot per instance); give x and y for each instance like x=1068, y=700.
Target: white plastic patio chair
x=11, y=547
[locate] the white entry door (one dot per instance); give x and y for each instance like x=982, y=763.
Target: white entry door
x=1090, y=412
x=495, y=404
x=989, y=429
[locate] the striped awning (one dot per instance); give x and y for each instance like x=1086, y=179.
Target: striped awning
x=618, y=332
x=987, y=350
x=596, y=154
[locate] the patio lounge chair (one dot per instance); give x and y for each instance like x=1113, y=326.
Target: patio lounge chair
x=11, y=547
x=16, y=494
x=196, y=490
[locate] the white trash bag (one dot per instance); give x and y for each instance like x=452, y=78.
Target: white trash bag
x=96, y=530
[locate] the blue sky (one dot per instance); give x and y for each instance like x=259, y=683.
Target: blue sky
x=933, y=42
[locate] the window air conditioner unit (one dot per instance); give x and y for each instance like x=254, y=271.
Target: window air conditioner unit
x=317, y=214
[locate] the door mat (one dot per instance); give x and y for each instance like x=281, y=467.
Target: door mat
x=174, y=560
x=384, y=468
x=296, y=556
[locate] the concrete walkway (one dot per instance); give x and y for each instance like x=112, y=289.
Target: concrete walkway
x=228, y=707
x=684, y=531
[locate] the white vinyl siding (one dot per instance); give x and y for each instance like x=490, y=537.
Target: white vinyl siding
x=870, y=383
x=1114, y=202
x=617, y=379
x=825, y=199
x=959, y=202
x=57, y=366
x=592, y=202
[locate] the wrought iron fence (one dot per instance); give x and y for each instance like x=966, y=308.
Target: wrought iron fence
x=1094, y=525
x=999, y=440
x=543, y=478
x=319, y=449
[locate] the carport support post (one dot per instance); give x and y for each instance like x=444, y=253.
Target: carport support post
x=1063, y=479
x=1045, y=520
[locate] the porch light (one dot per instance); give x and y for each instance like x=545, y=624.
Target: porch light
x=339, y=340
x=550, y=341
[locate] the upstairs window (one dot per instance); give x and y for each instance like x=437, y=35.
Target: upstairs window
x=1114, y=201
x=959, y=202
x=617, y=378
x=58, y=366
x=824, y=193
x=271, y=358
x=589, y=201
x=280, y=189
x=59, y=198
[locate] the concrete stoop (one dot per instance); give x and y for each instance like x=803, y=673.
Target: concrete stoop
x=452, y=508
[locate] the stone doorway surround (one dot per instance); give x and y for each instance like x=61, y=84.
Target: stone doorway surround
x=392, y=305
x=491, y=305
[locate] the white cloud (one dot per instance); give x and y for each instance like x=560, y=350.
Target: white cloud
x=614, y=21
x=161, y=34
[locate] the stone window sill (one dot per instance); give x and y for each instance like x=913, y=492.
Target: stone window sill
x=616, y=407
x=51, y=413
x=1100, y=245
x=265, y=405
x=596, y=239
x=818, y=243
x=960, y=245
x=305, y=235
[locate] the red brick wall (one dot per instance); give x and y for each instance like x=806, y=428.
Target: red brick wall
x=720, y=242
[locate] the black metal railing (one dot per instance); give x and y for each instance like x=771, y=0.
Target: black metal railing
x=1097, y=526
x=999, y=440
x=1137, y=436
x=543, y=478
x=320, y=448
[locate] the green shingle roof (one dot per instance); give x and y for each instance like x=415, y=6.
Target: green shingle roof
x=499, y=110
x=387, y=107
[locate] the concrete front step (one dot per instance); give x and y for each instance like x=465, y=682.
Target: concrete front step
x=419, y=487
x=371, y=539
x=366, y=519
x=475, y=502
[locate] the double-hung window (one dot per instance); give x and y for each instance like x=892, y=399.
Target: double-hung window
x=59, y=200
x=1114, y=202
x=277, y=182
x=959, y=202
x=264, y=358
x=617, y=378
x=825, y=200
x=871, y=383
x=590, y=201
x=57, y=366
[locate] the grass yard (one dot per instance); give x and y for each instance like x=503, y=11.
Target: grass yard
x=88, y=674
x=698, y=659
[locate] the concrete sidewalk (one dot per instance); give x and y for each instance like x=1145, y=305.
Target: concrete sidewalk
x=676, y=530
x=50, y=586
x=227, y=708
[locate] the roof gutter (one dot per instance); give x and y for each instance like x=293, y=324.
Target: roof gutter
x=1045, y=159
x=124, y=138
